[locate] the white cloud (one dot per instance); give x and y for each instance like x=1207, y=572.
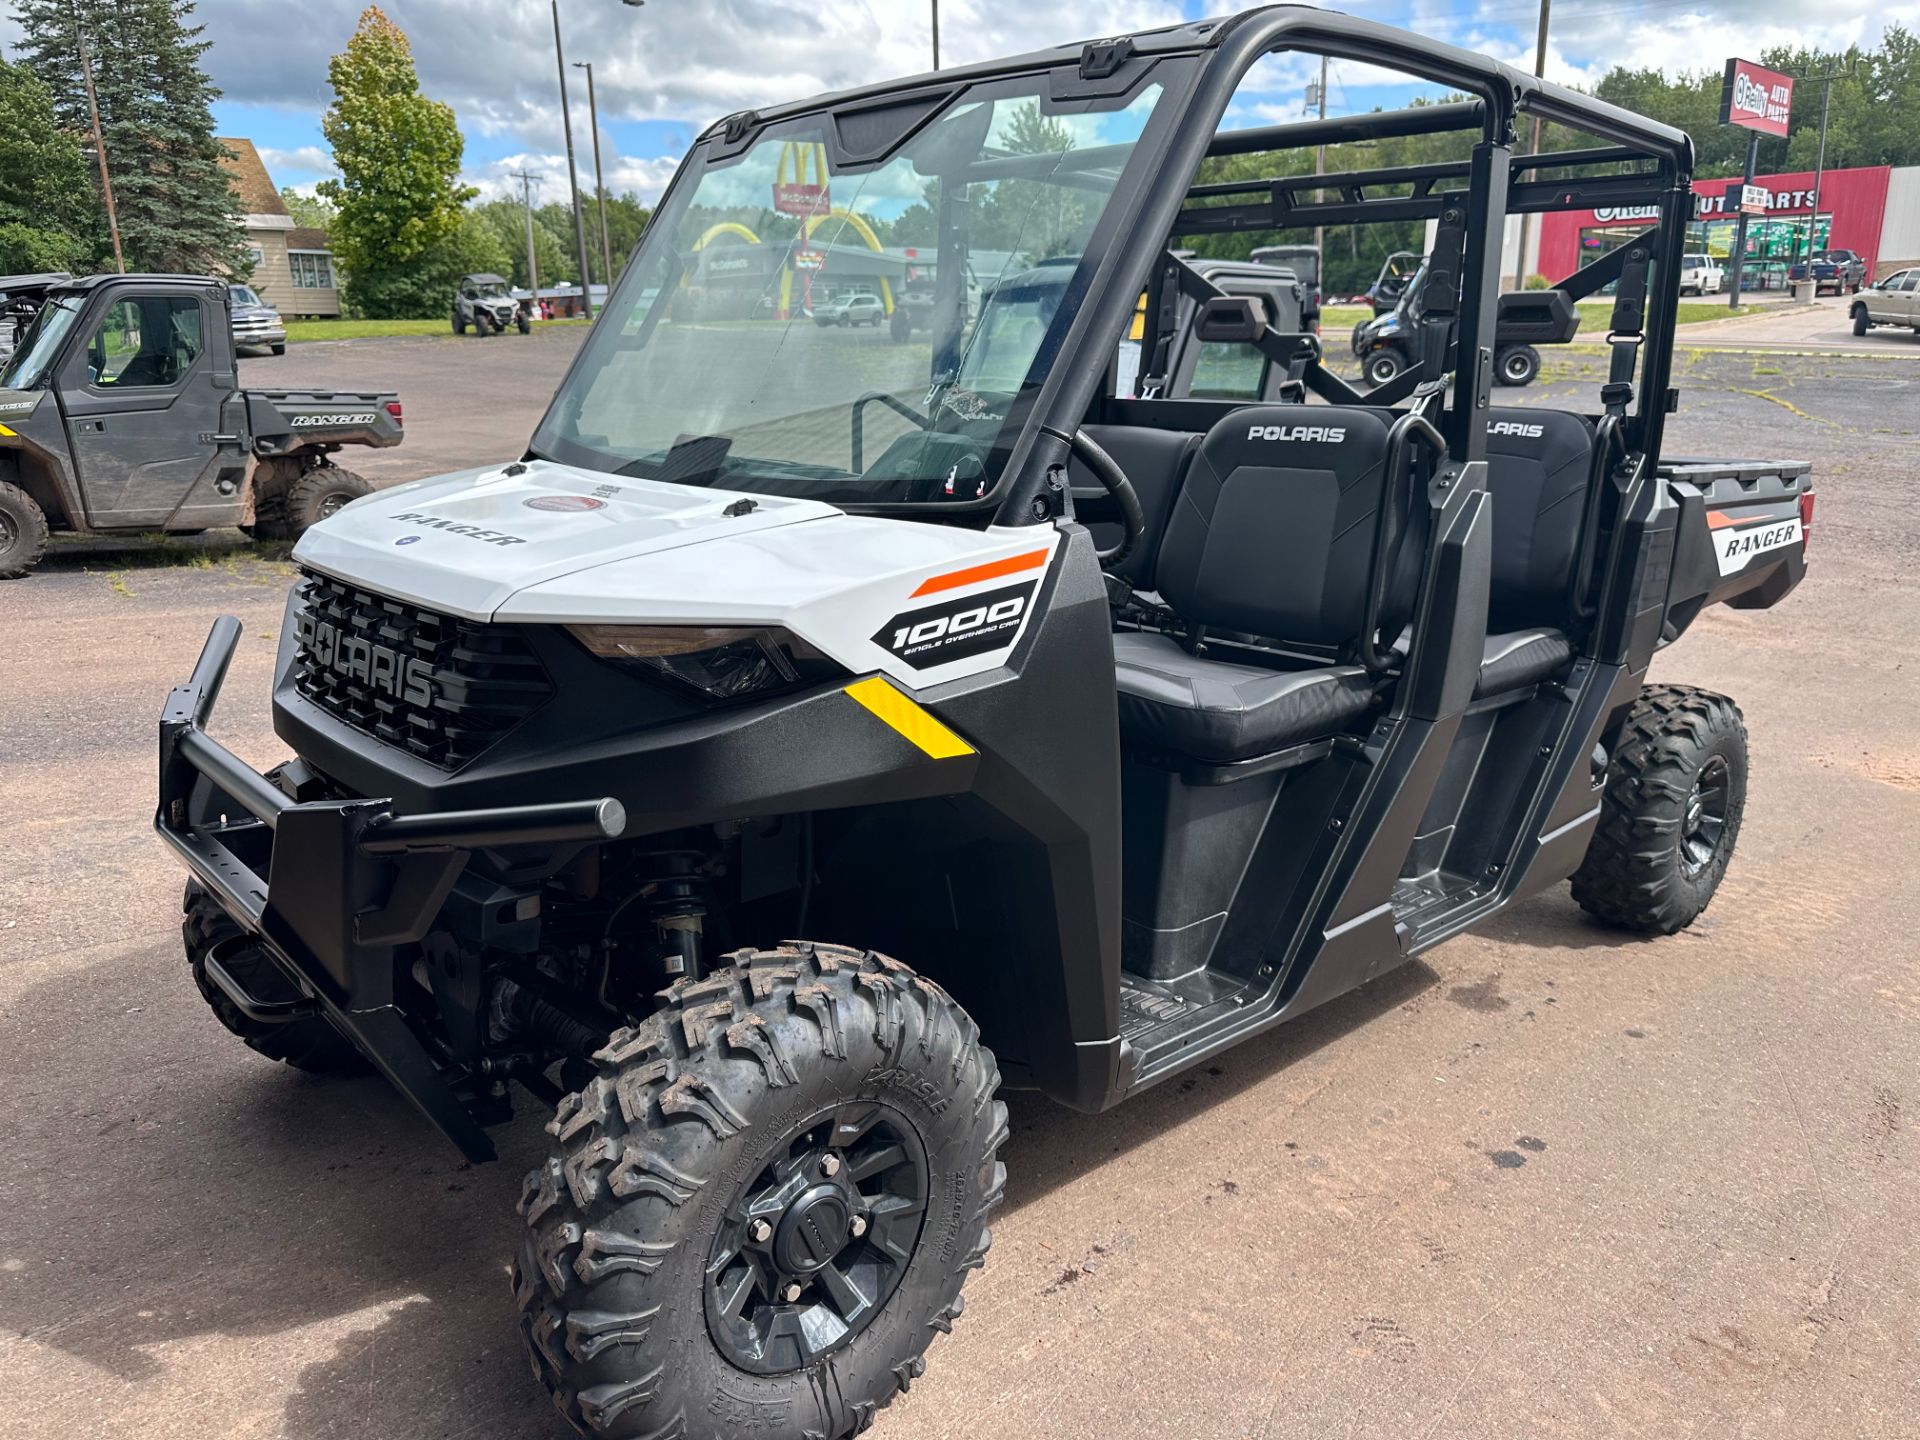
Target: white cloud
x=306, y=160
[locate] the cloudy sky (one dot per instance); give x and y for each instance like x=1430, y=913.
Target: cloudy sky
x=666, y=70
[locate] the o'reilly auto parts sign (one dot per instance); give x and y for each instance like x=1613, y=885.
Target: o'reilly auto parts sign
x=1758, y=98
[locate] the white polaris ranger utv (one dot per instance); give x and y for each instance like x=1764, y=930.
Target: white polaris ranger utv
x=798, y=716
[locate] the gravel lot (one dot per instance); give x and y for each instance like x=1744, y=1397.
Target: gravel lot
x=1544, y=1182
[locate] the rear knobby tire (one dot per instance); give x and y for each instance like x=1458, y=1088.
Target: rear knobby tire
x=309, y=1044
x=286, y=510
x=641, y=1202
x=1676, y=791
x=23, y=532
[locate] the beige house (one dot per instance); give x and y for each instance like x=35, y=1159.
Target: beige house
x=292, y=268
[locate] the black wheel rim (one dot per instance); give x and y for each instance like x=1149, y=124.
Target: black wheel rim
x=1703, y=823
x=331, y=503
x=9, y=532
x=815, y=1244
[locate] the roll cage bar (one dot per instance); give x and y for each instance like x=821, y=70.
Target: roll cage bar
x=1475, y=194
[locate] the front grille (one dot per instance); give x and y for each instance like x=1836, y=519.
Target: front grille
x=438, y=687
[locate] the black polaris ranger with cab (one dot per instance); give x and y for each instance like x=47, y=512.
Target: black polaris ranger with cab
x=121, y=411
x=1104, y=729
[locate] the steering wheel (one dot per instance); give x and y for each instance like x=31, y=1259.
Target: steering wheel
x=1114, y=481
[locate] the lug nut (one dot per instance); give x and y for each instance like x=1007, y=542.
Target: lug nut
x=760, y=1230
x=859, y=1226
x=790, y=1294
x=830, y=1166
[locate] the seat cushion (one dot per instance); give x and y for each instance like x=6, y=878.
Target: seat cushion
x=1218, y=711
x=1521, y=657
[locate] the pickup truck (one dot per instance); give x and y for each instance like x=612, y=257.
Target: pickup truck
x=1894, y=301
x=120, y=410
x=1842, y=271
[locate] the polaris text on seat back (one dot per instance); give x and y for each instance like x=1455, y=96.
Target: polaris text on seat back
x=817, y=729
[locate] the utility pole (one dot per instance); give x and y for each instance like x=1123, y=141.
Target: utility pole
x=936, y=34
x=1526, y=218
x=99, y=145
x=599, y=185
x=526, y=179
x=573, y=171
x=1739, y=256
x=1820, y=165
x=1320, y=168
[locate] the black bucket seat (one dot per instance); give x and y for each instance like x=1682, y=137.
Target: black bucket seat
x=1272, y=535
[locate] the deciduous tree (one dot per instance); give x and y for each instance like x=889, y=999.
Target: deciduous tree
x=399, y=195
x=46, y=205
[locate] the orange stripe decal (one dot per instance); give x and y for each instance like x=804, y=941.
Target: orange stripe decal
x=973, y=574
x=1720, y=520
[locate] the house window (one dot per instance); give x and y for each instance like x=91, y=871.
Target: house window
x=256, y=255
x=312, y=269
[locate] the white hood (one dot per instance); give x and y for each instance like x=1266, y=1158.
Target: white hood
x=464, y=543
x=554, y=545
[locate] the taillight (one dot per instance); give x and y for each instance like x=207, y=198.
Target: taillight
x=1806, y=518
x=393, y=409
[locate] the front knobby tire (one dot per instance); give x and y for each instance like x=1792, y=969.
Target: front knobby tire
x=1676, y=791
x=23, y=532
x=760, y=1210
x=309, y=1043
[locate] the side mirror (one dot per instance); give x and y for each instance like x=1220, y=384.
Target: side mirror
x=1228, y=320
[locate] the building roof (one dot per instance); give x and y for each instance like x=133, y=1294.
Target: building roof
x=300, y=238
x=250, y=179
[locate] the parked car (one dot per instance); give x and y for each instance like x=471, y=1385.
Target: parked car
x=1701, y=275
x=256, y=324
x=851, y=310
x=1842, y=271
x=1894, y=301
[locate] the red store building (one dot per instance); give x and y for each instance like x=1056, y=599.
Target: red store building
x=1874, y=211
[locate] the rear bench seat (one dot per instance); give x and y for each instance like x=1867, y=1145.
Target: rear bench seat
x=1272, y=535
x=1537, y=464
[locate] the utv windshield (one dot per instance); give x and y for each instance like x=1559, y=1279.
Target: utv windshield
x=35, y=353
x=725, y=357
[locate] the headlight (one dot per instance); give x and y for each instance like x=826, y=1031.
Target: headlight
x=723, y=662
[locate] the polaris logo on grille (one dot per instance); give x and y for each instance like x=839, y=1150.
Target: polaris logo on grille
x=379, y=667
x=1515, y=427
x=1322, y=434
x=358, y=417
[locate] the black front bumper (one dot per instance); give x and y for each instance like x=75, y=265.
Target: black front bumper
x=332, y=889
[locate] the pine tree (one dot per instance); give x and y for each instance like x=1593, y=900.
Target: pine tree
x=176, y=206
x=399, y=235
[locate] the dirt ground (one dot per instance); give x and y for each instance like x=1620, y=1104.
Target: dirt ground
x=1544, y=1182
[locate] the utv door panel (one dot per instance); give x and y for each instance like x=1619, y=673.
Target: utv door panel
x=142, y=404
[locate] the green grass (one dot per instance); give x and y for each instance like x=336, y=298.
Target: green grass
x=299, y=331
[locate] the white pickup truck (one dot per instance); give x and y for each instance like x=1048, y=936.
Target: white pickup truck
x=1701, y=275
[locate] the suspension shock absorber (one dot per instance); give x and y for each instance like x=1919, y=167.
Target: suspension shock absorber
x=678, y=907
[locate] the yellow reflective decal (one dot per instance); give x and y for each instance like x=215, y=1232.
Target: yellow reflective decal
x=880, y=697
x=8, y=433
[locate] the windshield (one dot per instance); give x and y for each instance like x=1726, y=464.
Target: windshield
x=859, y=337
x=242, y=295
x=29, y=363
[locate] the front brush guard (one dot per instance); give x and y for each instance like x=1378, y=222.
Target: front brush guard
x=346, y=881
